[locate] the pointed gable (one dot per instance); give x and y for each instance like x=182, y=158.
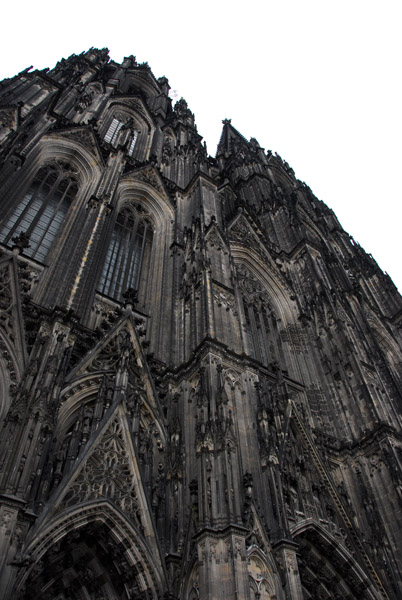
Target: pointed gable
x=84, y=136
x=150, y=176
x=215, y=238
x=242, y=232
x=122, y=340
x=108, y=470
x=106, y=467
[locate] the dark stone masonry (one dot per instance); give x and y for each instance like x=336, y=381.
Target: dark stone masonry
x=200, y=370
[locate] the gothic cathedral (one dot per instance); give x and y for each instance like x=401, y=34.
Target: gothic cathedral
x=200, y=370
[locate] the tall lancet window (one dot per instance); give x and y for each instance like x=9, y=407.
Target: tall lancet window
x=132, y=143
x=258, y=314
x=113, y=131
x=129, y=253
x=128, y=137
x=41, y=212
x=257, y=329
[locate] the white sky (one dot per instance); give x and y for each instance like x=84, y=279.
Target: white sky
x=318, y=81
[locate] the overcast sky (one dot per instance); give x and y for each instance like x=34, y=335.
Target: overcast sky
x=318, y=81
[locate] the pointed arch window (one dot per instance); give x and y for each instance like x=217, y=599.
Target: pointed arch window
x=119, y=125
x=258, y=316
x=132, y=143
x=257, y=329
x=128, y=256
x=113, y=130
x=41, y=212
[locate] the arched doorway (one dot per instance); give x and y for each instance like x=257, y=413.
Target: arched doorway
x=86, y=564
x=328, y=571
x=91, y=554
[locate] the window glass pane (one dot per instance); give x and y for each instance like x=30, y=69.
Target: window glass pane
x=261, y=343
x=113, y=131
x=131, y=242
x=132, y=144
x=41, y=212
x=249, y=332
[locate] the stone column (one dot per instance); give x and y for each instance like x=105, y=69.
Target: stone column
x=223, y=564
x=285, y=551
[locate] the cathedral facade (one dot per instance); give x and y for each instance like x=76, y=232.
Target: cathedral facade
x=200, y=370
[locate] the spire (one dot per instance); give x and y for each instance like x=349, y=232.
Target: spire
x=183, y=113
x=228, y=136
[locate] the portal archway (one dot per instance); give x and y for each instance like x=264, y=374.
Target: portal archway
x=91, y=553
x=327, y=569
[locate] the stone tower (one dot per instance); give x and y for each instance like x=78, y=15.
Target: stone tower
x=200, y=370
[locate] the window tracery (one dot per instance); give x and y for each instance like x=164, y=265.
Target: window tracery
x=119, y=125
x=129, y=253
x=260, y=578
x=113, y=131
x=42, y=210
x=258, y=313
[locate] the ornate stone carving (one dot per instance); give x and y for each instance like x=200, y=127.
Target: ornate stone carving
x=108, y=473
x=8, y=117
x=6, y=302
x=295, y=336
x=224, y=297
x=214, y=240
x=82, y=135
x=167, y=150
x=149, y=176
x=98, y=432
x=253, y=290
x=242, y=233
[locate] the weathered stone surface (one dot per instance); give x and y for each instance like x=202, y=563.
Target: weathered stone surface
x=200, y=370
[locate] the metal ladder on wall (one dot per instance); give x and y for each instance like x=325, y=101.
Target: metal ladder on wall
x=335, y=497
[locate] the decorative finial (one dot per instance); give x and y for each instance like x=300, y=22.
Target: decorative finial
x=21, y=241
x=131, y=297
